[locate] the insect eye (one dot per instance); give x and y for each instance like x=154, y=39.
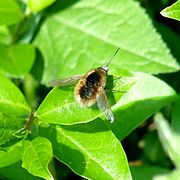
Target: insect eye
x=93, y=79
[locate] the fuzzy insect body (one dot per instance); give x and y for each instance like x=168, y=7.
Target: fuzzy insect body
x=90, y=88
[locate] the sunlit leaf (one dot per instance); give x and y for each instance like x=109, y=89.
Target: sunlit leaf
x=16, y=60
x=146, y=97
x=10, y=12
x=12, y=101
x=172, y=11
x=91, y=150
x=59, y=107
x=5, y=36
x=36, y=156
x=92, y=31
x=36, y=6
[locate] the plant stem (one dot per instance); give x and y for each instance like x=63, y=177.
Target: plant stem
x=30, y=120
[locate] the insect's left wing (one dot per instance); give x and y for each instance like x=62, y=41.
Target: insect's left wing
x=104, y=105
x=65, y=82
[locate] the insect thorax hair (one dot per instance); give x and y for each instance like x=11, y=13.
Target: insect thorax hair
x=88, y=87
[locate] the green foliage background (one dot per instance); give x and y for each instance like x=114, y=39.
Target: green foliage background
x=44, y=134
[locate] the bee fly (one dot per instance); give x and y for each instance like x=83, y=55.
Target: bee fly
x=90, y=88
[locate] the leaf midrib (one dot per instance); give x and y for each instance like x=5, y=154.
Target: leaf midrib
x=89, y=155
x=59, y=107
x=89, y=33
x=114, y=107
x=10, y=103
x=36, y=154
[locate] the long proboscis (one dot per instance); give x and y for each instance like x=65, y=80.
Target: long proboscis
x=112, y=57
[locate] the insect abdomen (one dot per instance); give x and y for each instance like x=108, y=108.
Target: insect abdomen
x=87, y=87
x=85, y=92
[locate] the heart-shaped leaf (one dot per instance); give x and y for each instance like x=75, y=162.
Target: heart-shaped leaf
x=36, y=156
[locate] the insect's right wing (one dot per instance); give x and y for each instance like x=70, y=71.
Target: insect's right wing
x=104, y=105
x=65, y=82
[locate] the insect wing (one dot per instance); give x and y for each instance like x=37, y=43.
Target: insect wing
x=65, y=82
x=104, y=105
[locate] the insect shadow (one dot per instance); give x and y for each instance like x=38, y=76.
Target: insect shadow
x=109, y=89
x=90, y=88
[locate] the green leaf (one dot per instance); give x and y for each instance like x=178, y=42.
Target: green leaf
x=171, y=176
x=30, y=27
x=172, y=11
x=36, y=6
x=90, y=150
x=92, y=31
x=146, y=97
x=36, y=156
x=16, y=172
x=154, y=154
x=12, y=101
x=176, y=116
x=10, y=154
x=16, y=60
x=59, y=107
x=146, y=172
x=10, y=12
x=170, y=140
x=5, y=36
x=9, y=126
